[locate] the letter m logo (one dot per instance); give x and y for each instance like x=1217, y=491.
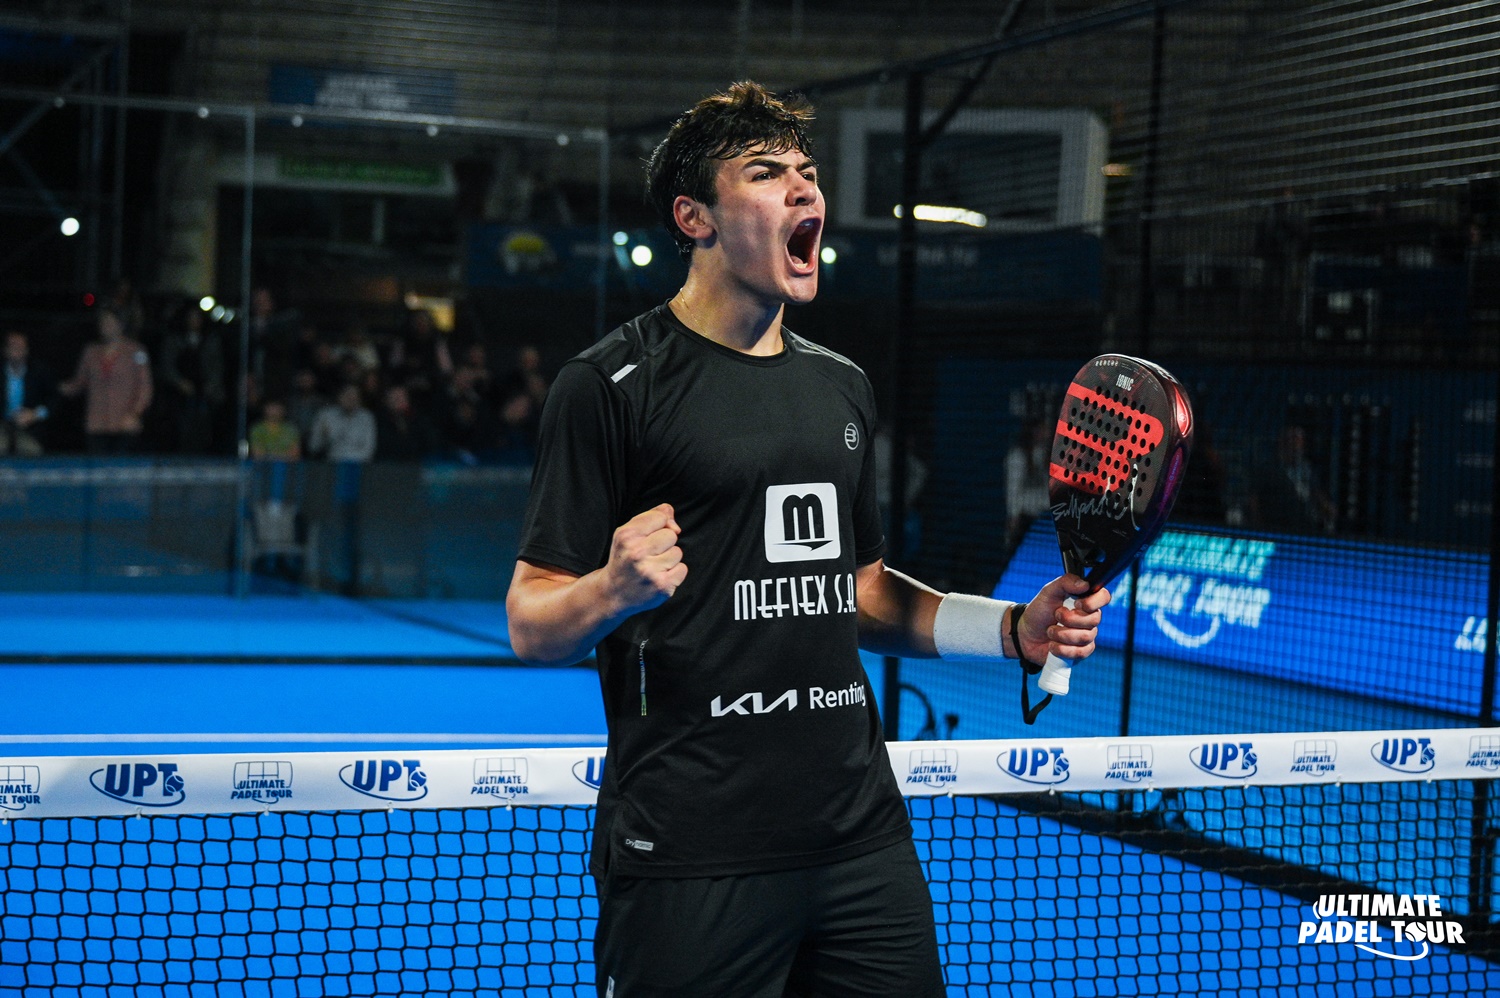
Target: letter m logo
x=802, y=522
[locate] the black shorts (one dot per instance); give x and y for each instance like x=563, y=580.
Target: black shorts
x=859, y=927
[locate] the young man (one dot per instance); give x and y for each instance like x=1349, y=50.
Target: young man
x=751, y=839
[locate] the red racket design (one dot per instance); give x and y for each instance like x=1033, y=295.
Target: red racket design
x=1117, y=463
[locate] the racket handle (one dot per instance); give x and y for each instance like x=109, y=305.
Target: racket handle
x=1055, y=675
x=1056, y=672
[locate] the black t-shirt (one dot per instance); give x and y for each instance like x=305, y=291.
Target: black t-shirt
x=743, y=736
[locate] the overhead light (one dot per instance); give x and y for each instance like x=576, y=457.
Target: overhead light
x=641, y=256
x=942, y=213
x=217, y=314
x=1116, y=169
x=69, y=226
x=206, y=303
x=621, y=238
x=829, y=255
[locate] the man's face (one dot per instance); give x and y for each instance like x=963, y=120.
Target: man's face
x=15, y=349
x=769, y=223
x=111, y=330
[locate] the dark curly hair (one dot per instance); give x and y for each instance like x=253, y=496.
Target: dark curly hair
x=745, y=118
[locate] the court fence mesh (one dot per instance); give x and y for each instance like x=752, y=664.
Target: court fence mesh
x=1306, y=864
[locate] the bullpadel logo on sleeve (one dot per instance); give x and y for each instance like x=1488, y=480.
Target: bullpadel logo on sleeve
x=802, y=522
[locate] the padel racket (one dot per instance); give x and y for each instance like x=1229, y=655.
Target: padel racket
x=1118, y=460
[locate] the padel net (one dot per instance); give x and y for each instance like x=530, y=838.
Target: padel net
x=1286, y=863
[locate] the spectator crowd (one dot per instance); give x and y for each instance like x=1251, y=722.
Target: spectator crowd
x=169, y=383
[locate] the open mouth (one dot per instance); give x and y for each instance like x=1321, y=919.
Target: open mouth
x=803, y=244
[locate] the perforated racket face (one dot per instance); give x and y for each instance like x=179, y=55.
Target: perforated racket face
x=1117, y=461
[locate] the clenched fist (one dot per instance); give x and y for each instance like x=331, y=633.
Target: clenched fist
x=645, y=564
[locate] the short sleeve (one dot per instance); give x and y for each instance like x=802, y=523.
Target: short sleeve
x=869, y=534
x=578, y=483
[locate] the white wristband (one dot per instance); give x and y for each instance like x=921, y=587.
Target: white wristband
x=970, y=626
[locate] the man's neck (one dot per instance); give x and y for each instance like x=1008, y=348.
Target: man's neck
x=728, y=315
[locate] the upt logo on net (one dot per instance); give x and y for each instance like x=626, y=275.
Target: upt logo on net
x=1405, y=755
x=1388, y=925
x=146, y=784
x=386, y=779
x=1226, y=760
x=1045, y=764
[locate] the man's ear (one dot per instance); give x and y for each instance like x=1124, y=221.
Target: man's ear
x=693, y=218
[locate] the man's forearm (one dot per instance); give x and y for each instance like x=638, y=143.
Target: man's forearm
x=557, y=621
x=896, y=613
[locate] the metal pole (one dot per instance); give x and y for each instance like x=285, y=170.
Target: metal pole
x=601, y=266
x=117, y=213
x=906, y=286
x=1481, y=835
x=1145, y=313
x=242, y=415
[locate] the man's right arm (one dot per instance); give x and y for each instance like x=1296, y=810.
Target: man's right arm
x=558, y=617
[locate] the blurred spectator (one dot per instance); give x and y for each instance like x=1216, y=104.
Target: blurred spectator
x=29, y=396
x=1026, y=495
x=472, y=378
x=308, y=340
x=401, y=433
x=125, y=303
x=473, y=431
x=274, y=438
x=305, y=403
x=358, y=352
x=420, y=358
x=114, y=376
x=521, y=397
x=273, y=343
x=190, y=374
x=326, y=369
x=1290, y=496
x=344, y=432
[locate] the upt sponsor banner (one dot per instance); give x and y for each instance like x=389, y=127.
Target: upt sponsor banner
x=62, y=786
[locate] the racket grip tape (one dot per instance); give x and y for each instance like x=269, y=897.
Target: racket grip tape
x=1055, y=676
x=1056, y=672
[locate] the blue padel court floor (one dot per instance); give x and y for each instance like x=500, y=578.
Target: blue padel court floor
x=87, y=674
